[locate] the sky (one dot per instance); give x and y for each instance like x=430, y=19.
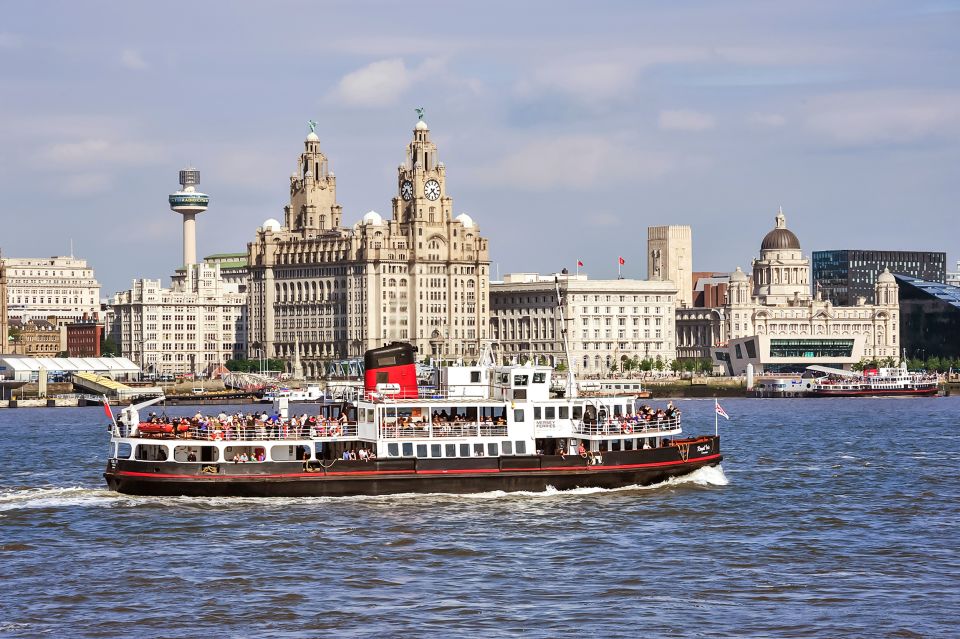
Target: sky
x=567, y=128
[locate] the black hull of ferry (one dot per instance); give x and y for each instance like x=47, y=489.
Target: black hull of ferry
x=399, y=476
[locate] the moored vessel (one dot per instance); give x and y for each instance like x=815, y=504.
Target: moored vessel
x=883, y=382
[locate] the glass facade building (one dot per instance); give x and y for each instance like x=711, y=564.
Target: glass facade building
x=843, y=276
x=929, y=318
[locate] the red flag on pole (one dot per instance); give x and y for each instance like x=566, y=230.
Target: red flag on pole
x=106, y=409
x=621, y=261
x=579, y=263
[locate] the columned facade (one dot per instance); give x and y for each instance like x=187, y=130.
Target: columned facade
x=322, y=291
x=608, y=321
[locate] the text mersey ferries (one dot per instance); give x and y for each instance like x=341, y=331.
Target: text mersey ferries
x=491, y=428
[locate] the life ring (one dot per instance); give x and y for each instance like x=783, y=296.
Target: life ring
x=337, y=431
x=218, y=436
x=627, y=429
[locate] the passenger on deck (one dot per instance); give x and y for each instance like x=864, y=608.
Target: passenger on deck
x=582, y=450
x=346, y=455
x=191, y=456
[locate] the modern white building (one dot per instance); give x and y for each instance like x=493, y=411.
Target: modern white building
x=607, y=321
x=953, y=278
x=60, y=286
x=194, y=326
x=29, y=369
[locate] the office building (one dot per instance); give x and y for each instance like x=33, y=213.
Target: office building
x=322, y=291
x=844, y=276
x=608, y=321
x=62, y=287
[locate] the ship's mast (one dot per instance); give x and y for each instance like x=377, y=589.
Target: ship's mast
x=571, y=390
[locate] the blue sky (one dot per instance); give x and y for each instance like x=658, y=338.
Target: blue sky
x=566, y=128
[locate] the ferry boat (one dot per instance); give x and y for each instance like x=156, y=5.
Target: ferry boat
x=308, y=394
x=884, y=382
x=485, y=428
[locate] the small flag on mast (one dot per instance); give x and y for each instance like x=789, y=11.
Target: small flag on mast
x=621, y=261
x=106, y=409
x=579, y=263
x=720, y=410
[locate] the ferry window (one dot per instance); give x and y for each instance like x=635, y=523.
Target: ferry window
x=124, y=450
x=617, y=410
x=407, y=449
x=550, y=412
x=451, y=450
x=521, y=447
x=507, y=447
x=277, y=453
x=628, y=444
x=536, y=412
x=492, y=450
x=421, y=450
x=393, y=450
x=474, y=377
x=520, y=380
x=435, y=450
x=464, y=450
x=151, y=452
x=518, y=415
x=615, y=444
x=578, y=412
x=539, y=378
x=564, y=412
x=478, y=450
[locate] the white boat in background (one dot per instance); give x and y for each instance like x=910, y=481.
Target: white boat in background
x=308, y=394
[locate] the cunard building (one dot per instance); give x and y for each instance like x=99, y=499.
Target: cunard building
x=321, y=291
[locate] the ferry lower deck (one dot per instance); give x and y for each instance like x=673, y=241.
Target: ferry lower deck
x=535, y=473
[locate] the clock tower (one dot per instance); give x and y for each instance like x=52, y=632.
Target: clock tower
x=421, y=184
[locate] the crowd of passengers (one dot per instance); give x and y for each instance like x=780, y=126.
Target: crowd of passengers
x=645, y=417
x=249, y=426
x=443, y=422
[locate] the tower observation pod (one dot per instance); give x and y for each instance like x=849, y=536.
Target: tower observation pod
x=188, y=201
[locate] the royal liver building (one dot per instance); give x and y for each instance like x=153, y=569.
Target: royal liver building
x=321, y=291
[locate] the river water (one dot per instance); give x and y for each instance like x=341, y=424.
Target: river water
x=829, y=518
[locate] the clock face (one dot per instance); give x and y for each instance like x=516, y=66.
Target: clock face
x=406, y=190
x=432, y=190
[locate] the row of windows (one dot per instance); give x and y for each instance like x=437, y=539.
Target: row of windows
x=491, y=449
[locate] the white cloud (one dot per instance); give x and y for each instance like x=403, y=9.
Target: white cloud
x=685, y=120
x=99, y=152
x=378, y=83
x=84, y=184
x=883, y=117
x=132, y=59
x=771, y=120
x=577, y=162
x=603, y=75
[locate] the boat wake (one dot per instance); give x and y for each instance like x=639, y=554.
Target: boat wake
x=64, y=497
x=56, y=497
x=706, y=476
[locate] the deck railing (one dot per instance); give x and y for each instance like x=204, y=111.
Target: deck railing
x=626, y=427
x=457, y=429
x=255, y=433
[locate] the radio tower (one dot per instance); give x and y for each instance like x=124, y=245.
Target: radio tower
x=188, y=201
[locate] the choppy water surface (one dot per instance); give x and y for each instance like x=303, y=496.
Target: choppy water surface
x=829, y=518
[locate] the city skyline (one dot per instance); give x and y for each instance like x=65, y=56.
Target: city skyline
x=599, y=122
